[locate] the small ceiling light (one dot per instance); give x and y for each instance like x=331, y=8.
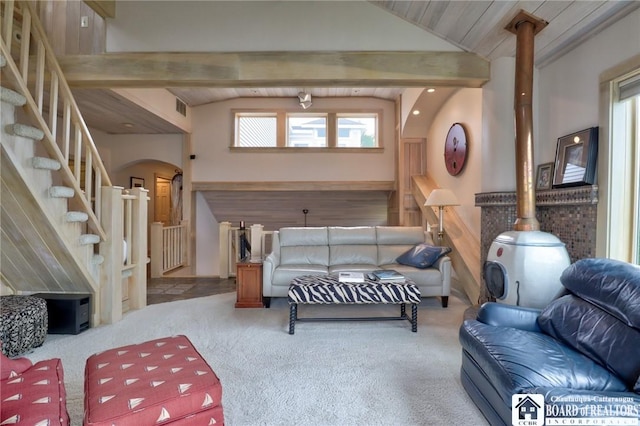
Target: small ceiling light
x=415, y=112
x=305, y=99
x=128, y=125
x=431, y=90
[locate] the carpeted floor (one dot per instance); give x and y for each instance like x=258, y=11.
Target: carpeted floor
x=335, y=373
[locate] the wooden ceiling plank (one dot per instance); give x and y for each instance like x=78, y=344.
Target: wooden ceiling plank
x=490, y=21
x=470, y=13
x=273, y=69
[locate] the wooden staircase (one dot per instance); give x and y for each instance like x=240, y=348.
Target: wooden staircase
x=63, y=226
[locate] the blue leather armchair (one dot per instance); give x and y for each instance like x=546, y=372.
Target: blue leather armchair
x=582, y=351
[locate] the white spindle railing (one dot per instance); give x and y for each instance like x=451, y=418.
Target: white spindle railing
x=229, y=238
x=35, y=73
x=168, y=247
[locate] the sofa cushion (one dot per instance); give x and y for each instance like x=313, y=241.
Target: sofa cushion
x=283, y=274
x=514, y=360
x=339, y=235
x=311, y=236
x=422, y=255
x=299, y=255
x=353, y=254
x=611, y=284
x=594, y=332
x=425, y=277
x=36, y=396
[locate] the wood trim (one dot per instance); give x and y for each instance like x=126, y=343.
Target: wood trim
x=276, y=69
x=295, y=186
x=298, y=150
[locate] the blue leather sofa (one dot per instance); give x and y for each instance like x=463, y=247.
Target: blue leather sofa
x=582, y=351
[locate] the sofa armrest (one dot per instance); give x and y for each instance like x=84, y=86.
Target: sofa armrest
x=499, y=314
x=269, y=265
x=443, y=264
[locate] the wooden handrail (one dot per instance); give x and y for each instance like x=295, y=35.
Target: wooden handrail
x=32, y=84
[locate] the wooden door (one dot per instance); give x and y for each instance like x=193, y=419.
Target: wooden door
x=162, y=203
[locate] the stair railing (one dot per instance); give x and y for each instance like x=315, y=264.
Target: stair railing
x=169, y=247
x=34, y=71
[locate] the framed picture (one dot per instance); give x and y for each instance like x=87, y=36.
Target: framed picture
x=137, y=182
x=544, y=176
x=576, y=156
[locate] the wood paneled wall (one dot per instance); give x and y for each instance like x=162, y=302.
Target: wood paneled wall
x=276, y=209
x=61, y=20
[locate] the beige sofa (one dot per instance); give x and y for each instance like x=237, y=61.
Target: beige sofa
x=326, y=250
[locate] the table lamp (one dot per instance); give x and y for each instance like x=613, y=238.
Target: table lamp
x=441, y=198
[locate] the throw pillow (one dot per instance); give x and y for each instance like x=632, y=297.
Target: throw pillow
x=612, y=285
x=422, y=255
x=594, y=333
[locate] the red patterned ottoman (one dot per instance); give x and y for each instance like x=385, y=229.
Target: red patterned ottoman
x=163, y=381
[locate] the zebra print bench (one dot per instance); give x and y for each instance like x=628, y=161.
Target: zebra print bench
x=326, y=289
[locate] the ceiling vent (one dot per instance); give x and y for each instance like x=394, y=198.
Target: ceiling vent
x=181, y=107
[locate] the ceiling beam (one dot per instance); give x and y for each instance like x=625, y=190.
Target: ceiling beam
x=104, y=8
x=276, y=69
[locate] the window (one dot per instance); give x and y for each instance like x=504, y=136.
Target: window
x=623, y=189
x=255, y=130
x=307, y=130
x=357, y=131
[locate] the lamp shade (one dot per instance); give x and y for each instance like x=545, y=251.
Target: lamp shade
x=441, y=197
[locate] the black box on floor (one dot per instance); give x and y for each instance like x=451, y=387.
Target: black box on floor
x=68, y=313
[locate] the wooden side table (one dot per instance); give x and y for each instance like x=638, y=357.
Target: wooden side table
x=249, y=284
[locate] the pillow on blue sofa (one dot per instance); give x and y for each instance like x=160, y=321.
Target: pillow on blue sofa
x=594, y=333
x=422, y=255
x=610, y=284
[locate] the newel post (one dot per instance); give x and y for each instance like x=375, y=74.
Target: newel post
x=223, y=248
x=157, y=249
x=110, y=298
x=139, y=249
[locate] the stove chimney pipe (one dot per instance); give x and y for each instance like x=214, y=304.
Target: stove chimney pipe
x=525, y=26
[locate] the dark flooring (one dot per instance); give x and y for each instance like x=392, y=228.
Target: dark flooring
x=168, y=289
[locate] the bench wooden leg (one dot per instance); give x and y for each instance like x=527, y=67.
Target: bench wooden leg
x=414, y=317
x=293, y=315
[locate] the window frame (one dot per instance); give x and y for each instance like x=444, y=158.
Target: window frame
x=331, y=131
x=618, y=221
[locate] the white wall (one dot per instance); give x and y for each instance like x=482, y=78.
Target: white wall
x=569, y=87
x=126, y=149
x=235, y=26
x=212, y=136
x=464, y=107
x=498, y=128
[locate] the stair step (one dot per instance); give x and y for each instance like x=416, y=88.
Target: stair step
x=12, y=97
x=25, y=131
x=97, y=259
x=77, y=217
x=86, y=239
x=3, y=61
x=45, y=163
x=61, y=192
x=127, y=273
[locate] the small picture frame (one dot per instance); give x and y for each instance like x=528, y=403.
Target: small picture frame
x=576, y=156
x=544, y=177
x=137, y=182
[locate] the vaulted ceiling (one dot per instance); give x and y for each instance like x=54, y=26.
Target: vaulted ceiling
x=474, y=26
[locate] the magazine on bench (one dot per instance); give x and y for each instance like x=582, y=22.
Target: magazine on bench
x=351, y=277
x=388, y=276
